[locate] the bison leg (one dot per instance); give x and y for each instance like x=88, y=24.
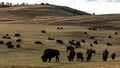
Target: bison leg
x=57, y=59
x=49, y=59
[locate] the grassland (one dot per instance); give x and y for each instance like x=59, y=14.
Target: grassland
x=28, y=21
x=29, y=54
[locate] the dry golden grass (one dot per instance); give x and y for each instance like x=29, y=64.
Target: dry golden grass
x=28, y=56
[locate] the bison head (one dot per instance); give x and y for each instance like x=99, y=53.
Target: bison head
x=44, y=59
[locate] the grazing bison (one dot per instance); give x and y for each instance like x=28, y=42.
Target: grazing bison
x=105, y=55
x=89, y=56
x=17, y=35
x=109, y=36
x=50, y=38
x=89, y=53
x=91, y=45
x=19, y=40
x=38, y=42
x=43, y=31
x=9, y=43
x=78, y=44
x=71, y=42
x=17, y=46
x=1, y=42
x=59, y=27
x=116, y=33
x=113, y=56
x=85, y=33
x=69, y=48
x=59, y=41
x=50, y=53
x=71, y=55
x=92, y=28
x=95, y=42
x=10, y=46
x=92, y=37
x=4, y=37
x=90, y=50
x=109, y=44
x=79, y=56
x=82, y=40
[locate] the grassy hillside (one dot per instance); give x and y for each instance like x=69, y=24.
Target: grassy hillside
x=30, y=20
x=50, y=14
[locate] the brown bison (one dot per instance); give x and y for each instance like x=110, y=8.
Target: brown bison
x=50, y=53
x=69, y=48
x=71, y=55
x=113, y=56
x=105, y=55
x=79, y=56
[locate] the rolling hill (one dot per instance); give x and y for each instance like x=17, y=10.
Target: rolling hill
x=29, y=21
x=57, y=15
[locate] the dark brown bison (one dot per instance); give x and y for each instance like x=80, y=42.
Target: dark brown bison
x=69, y=48
x=105, y=55
x=17, y=35
x=49, y=54
x=116, y=33
x=71, y=42
x=19, y=40
x=109, y=44
x=59, y=41
x=38, y=42
x=43, y=31
x=50, y=38
x=82, y=40
x=71, y=55
x=113, y=55
x=10, y=46
x=18, y=46
x=85, y=33
x=90, y=50
x=79, y=56
x=78, y=44
x=1, y=42
x=95, y=42
x=92, y=37
x=9, y=43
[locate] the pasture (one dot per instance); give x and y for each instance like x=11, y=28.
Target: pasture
x=29, y=55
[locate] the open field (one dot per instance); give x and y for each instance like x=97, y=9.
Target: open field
x=30, y=20
x=28, y=56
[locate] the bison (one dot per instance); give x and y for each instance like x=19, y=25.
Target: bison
x=59, y=41
x=19, y=40
x=71, y=42
x=1, y=42
x=71, y=55
x=49, y=54
x=95, y=42
x=17, y=35
x=89, y=56
x=17, y=46
x=105, y=55
x=78, y=44
x=89, y=53
x=38, y=42
x=43, y=31
x=113, y=55
x=79, y=56
x=69, y=48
